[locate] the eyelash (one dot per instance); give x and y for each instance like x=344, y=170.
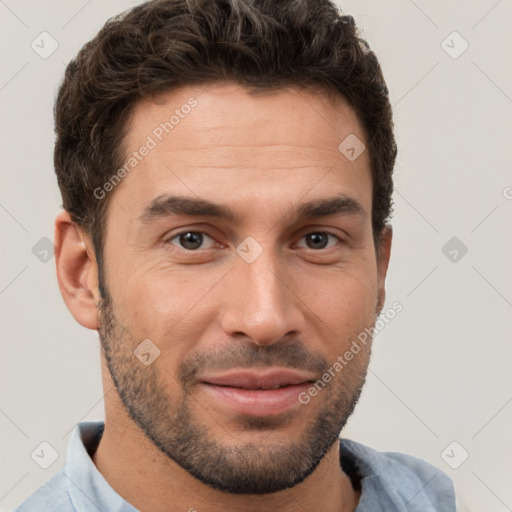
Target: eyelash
x=177, y=235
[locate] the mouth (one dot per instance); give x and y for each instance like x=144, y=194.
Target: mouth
x=256, y=393
x=250, y=379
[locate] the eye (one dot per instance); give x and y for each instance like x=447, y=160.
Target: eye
x=190, y=240
x=319, y=240
x=193, y=240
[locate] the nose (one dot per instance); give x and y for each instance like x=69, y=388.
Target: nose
x=261, y=303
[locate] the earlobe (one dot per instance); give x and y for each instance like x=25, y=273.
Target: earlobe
x=77, y=272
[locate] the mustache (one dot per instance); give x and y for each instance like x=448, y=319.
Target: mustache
x=287, y=354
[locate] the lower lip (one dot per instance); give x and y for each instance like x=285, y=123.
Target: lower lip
x=269, y=402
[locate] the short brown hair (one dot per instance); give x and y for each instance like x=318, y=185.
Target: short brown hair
x=163, y=44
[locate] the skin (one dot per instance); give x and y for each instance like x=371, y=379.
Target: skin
x=296, y=305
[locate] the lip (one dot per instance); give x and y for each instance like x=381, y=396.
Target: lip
x=250, y=379
x=257, y=394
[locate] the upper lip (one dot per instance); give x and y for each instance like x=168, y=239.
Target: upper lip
x=250, y=379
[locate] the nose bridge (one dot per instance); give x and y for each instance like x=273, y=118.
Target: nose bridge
x=261, y=306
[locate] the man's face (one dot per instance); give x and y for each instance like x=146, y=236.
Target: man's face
x=263, y=299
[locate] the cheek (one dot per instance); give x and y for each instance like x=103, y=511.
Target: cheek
x=342, y=306
x=161, y=304
x=343, y=292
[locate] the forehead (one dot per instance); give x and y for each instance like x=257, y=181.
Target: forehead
x=220, y=142
x=219, y=110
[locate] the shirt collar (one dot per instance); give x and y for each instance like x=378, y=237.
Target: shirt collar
x=394, y=481
x=87, y=487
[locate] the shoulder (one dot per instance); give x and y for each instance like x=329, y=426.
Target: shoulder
x=401, y=481
x=50, y=497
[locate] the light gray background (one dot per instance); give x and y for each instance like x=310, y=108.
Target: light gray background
x=440, y=370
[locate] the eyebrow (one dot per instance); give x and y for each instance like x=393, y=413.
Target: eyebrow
x=171, y=205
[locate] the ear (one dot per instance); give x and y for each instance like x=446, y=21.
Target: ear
x=383, y=255
x=77, y=271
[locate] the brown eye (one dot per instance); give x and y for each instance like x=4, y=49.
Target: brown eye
x=190, y=240
x=319, y=239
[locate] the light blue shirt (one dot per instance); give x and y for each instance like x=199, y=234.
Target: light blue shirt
x=390, y=482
